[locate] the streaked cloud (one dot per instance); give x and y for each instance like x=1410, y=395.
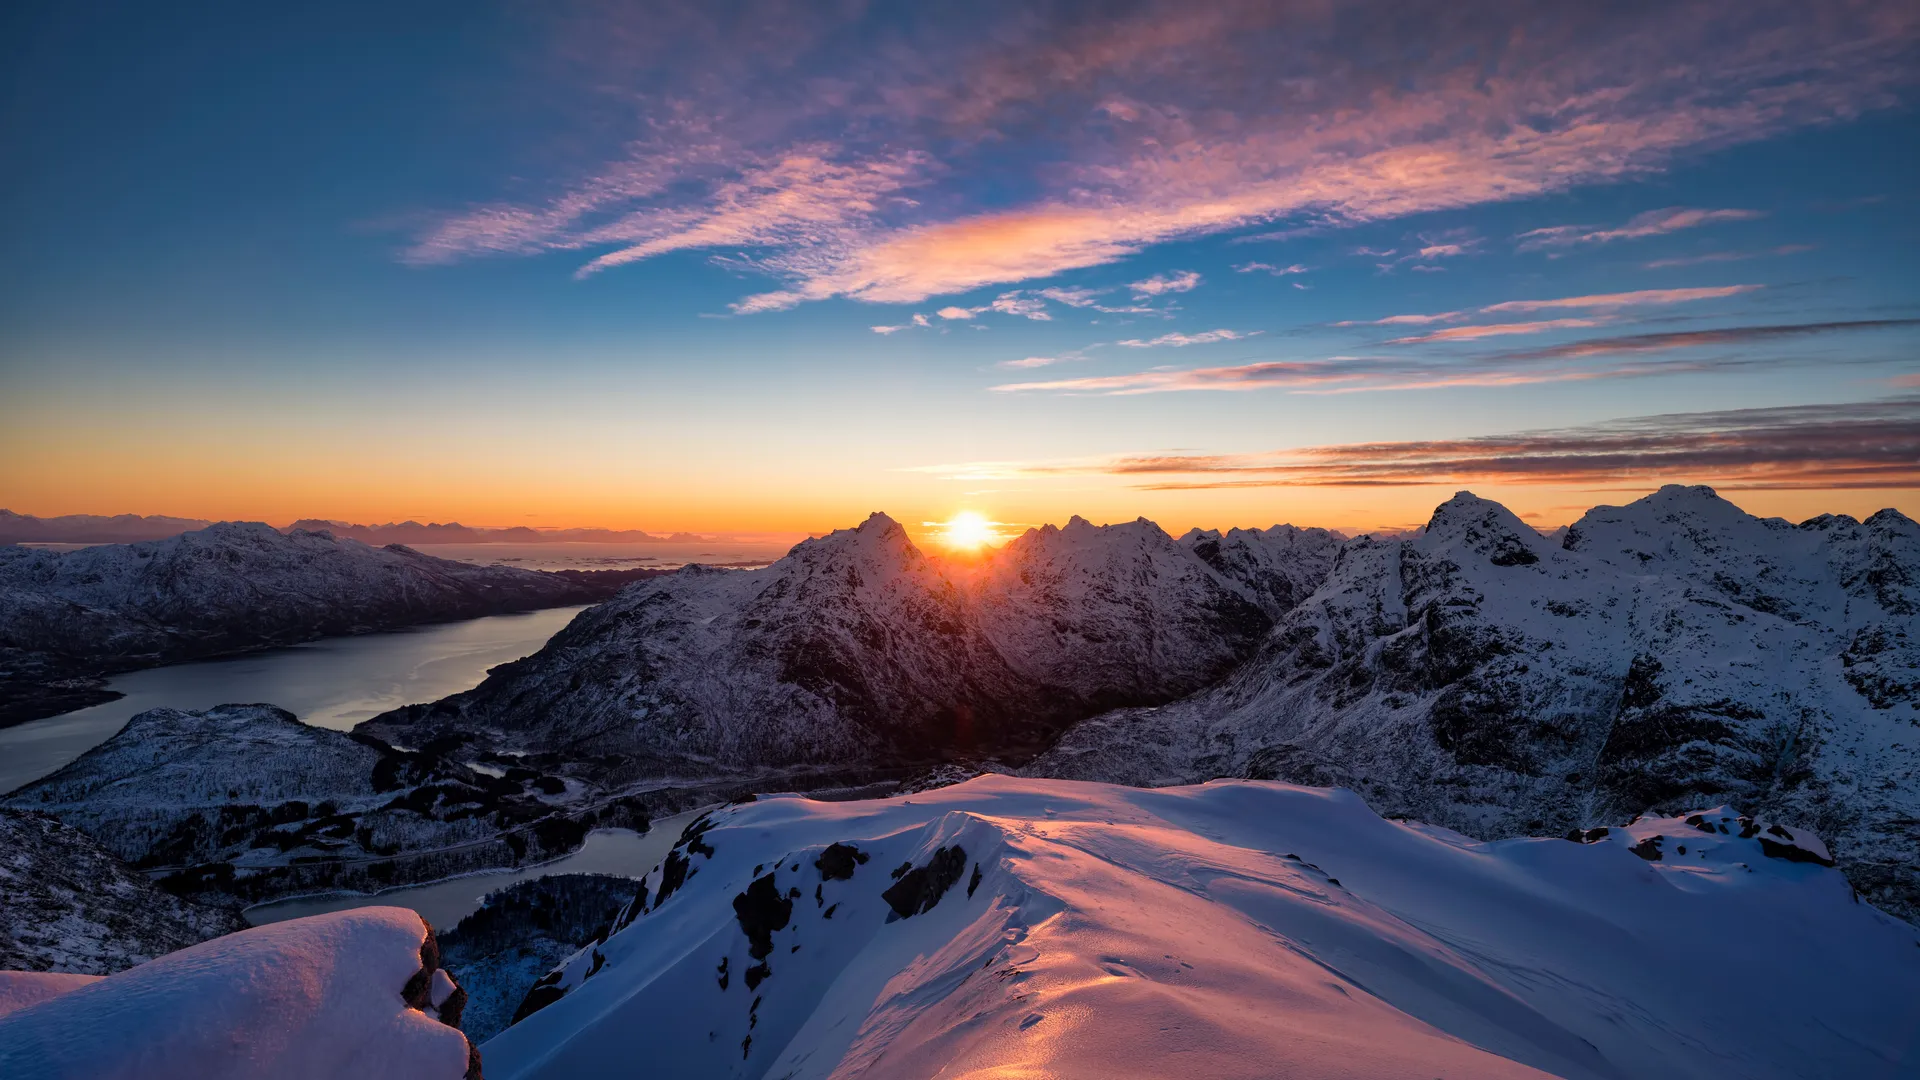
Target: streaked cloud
x=850, y=152
x=958, y=312
x=1640, y=298
x=1597, y=301
x=1650, y=223
x=1270, y=268
x=1181, y=341
x=1725, y=256
x=1865, y=445
x=1553, y=363
x=1688, y=339
x=1473, y=333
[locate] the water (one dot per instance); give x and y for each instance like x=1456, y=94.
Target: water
x=444, y=903
x=334, y=683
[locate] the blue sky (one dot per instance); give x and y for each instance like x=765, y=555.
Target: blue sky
x=621, y=265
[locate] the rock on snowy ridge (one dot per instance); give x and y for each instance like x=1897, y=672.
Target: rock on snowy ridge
x=351, y=994
x=858, y=649
x=227, y=588
x=1234, y=929
x=1672, y=652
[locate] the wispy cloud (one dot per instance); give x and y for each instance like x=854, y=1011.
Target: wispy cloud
x=1650, y=223
x=1725, y=256
x=1554, y=363
x=1075, y=297
x=1407, y=320
x=1027, y=307
x=1865, y=445
x=1161, y=284
x=1270, y=268
x=1594, y=302
x=958, y=312
x=1072, y=356
x=1689, y=339
x=849, y=152
x=1474, y=333
x=1640, y=298
x=1181, y=341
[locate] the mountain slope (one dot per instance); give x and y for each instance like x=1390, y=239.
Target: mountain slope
x=227, y=588
x=1239, y=929
x=244, y=802
x=68, y=905
x=858, y=650
x=1673, y=651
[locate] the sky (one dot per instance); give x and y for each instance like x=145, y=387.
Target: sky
x=763, y=267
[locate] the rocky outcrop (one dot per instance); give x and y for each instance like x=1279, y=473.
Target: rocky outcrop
x=1674, y=651
x=69, y=905
x=69, y=617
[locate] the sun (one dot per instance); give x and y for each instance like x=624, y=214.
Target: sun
x=967, y=531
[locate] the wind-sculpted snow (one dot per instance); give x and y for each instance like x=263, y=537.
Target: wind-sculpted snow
x=245, y=802
x=226, y=588
x=1674, y=651
x=858, y=649
x=69, y=905
x=352, y=994
x=1237, y=929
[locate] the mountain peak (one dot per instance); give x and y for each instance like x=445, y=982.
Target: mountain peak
x=1485, y=526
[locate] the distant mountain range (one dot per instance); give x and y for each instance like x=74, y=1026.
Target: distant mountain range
x=131, y=528
x=68, y=618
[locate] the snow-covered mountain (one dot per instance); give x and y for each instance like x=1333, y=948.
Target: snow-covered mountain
x=858, y=649
x=1237, y=929
x=357, y=994
x=69, y=905
x=244, y=802
x=226, y=588
x=1670, y=652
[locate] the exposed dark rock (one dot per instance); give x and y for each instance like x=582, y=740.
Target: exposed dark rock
x=837, y=860
x=921, y=887
x=761, y=910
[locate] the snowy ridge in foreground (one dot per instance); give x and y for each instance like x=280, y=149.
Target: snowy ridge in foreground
x=351, y=994
x=1236, y=929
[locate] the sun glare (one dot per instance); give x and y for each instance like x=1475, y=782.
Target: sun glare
x=967, y=531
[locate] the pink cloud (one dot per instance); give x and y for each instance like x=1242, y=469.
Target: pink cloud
x=1860, y=445
x=1650, y=223
x=1624, y=357
x=785, y=143
x=1161, y=284
x=1474, y=333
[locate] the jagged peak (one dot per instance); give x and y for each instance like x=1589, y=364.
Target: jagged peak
x=879, y=537
x=1485, y=526
x=1890, y=519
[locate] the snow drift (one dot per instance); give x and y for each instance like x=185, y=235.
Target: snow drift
x=352, y=994
x=1238, y=929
